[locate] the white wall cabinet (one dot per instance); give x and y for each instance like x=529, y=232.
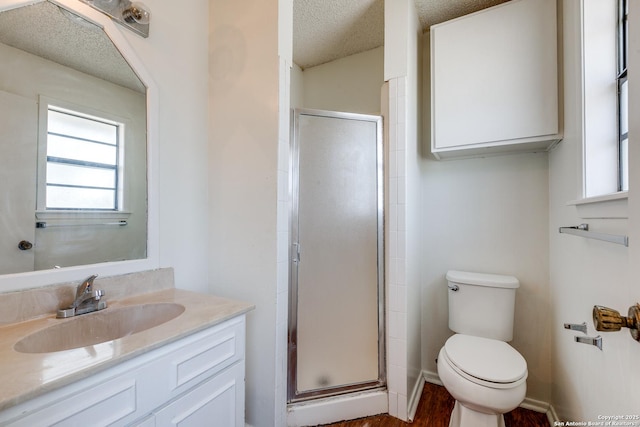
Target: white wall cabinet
x=494, y=81
x=195, y=381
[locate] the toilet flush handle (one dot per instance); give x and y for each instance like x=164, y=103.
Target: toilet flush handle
x=454, y=288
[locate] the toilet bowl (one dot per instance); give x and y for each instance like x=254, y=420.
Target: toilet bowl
x=486, y=377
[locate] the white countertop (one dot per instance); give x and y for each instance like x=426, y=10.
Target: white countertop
x=24, y=376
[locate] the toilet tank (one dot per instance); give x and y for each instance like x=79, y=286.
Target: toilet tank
x=482, y=304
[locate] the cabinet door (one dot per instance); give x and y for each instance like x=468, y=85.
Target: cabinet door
x=494, y=76
x=218, y=401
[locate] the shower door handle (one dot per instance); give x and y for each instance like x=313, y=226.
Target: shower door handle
x=296, y=252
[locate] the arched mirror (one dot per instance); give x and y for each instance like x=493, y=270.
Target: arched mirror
x=73, y=144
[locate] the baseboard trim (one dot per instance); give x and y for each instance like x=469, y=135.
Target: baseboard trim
x=552, y=416
x=431, y=377
x=415, y=397
x=535, y=405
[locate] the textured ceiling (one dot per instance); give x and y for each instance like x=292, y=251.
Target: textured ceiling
x=325, y=30
x=53, y=33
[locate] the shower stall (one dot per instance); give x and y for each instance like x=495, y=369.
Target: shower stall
x=336, y=309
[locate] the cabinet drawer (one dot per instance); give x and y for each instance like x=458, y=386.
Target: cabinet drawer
x=101, y=405
x=210, y=354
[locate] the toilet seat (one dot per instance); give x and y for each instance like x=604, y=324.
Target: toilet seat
x=485, y=361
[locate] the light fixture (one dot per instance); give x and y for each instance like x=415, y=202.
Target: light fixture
x=131, y=15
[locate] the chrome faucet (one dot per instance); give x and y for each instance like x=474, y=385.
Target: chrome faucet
x=87, y=300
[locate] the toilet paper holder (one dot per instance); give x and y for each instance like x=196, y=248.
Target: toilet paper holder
x=597, y=341
x=582, y=327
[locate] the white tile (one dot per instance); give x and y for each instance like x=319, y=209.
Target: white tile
x=283, y=186
x=402, y=191
x=401, y=271
x=393, y=404
x=402, y=407
x=393, y=298
x=393, y=87
x=393, y=244
x=394, y=325
x=283, y=155
x=401, y=217
x=282, y=216
x=401, y=164
x=393, y=163
x=402, y=299
x=401, y=319
x=395, y=351
x=402, y=86
x=393, y=271
x=401, y=135
x=393, y=138
x=393, y=380
x=283, y=277
x=393, y=110
x=283, y=247
x=393, y=190
x=401, y=244
x=402, y=380
x=401, y=105
x=393, y=217
x=402, y=353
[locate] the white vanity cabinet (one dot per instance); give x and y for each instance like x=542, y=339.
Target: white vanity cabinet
x=195, y=381
x=494, y=81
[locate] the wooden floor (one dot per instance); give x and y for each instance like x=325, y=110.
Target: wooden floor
x=434, y=409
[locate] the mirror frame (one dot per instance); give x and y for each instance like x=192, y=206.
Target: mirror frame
x=34, y=279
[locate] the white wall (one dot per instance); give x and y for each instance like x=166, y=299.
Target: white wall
x=487, y=215
x=350, y=84
x=243, y=178
x=588, y=382
x=179, y=36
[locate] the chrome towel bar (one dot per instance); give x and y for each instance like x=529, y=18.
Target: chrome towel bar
x=43, y=224
x=583, y=231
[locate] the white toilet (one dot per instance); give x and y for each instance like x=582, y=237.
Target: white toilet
x=485, y=375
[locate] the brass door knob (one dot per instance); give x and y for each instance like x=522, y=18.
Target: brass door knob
x=607, y=319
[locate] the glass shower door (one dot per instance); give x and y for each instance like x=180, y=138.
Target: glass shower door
x=336, y=318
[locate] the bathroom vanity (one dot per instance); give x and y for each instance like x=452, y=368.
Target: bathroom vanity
x=187, y=370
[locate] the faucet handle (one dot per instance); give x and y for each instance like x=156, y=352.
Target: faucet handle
x=97, y=294
x=86, y=285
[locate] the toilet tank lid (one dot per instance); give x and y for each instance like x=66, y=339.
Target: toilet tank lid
x=482, y=279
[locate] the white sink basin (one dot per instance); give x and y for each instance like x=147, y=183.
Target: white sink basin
x=95, y=328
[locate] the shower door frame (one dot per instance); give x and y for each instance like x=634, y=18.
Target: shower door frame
x=293, y=395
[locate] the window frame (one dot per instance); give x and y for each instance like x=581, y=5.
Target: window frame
x=622, y=104
x=599, y=194
x=45, y=104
